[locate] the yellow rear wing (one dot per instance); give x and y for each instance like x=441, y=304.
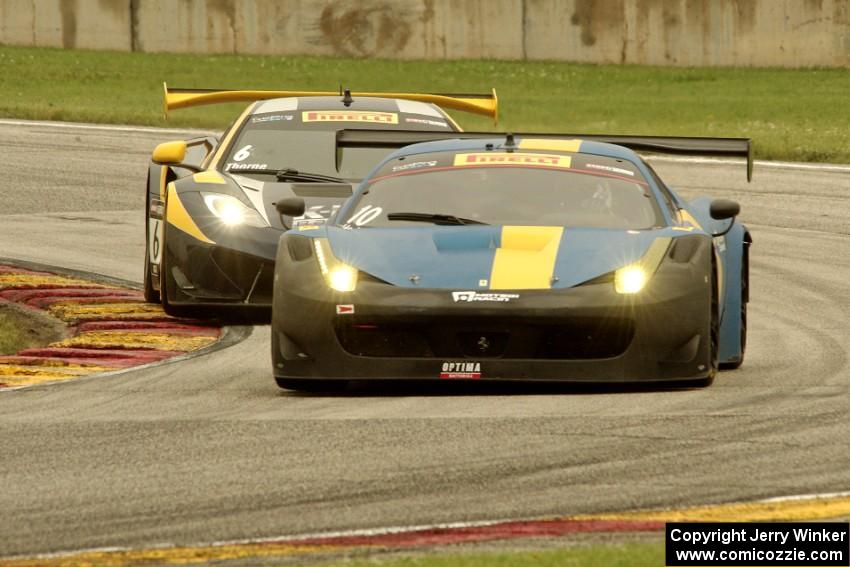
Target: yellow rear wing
x=486, y=104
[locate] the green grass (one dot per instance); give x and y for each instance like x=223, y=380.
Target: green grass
x=614, y=555
x=794, y=114
x=20, y=329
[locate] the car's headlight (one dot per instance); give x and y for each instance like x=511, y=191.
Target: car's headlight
x=233, y=212
x=634, y=277
x=339, y=276
x=630, y=279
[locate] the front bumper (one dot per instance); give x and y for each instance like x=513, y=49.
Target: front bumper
x=237, y=271
x=587, y=333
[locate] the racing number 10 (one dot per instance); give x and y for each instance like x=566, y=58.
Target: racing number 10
x=365, y=215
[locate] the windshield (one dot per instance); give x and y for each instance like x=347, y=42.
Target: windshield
x=311, y=152
x=577, y=191
x=305, y=140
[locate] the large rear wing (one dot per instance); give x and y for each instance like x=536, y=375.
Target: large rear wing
x=486, y=104
x=715, y=147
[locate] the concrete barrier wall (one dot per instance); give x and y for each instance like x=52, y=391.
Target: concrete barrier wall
x=87, y=24
x=785, y=33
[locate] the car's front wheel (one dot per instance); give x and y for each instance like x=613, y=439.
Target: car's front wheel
x=151, y=295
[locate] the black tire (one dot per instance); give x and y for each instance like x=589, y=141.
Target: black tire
x=312, y=386
x=151, y=295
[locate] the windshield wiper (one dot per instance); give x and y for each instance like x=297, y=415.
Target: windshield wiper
x=290, y=174
x=431, y=217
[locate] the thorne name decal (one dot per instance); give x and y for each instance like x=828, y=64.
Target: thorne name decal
x=468, y=370
x=349, y=116
x=515, y=159
x=470, y=296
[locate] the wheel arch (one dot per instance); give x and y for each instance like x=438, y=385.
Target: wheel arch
x=736, y=268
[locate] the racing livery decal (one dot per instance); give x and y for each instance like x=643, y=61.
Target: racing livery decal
x=349, y=116
x=438, y=123
x=470, y=296
x=468, y=370
x=512, y=159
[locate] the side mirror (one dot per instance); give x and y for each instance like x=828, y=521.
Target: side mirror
x=291, y=206
x=170, y=153
x=722, y=209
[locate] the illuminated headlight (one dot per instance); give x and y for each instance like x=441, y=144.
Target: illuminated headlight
x=339, y=276
x=231, y=211
x=633, y=277
x=630, y=279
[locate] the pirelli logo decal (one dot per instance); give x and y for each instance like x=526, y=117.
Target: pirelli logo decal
x=513, y=159
x=349, y=116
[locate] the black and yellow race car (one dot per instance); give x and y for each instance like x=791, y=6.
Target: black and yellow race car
x=211, y=225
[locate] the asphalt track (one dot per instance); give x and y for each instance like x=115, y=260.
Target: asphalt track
x=209, y=449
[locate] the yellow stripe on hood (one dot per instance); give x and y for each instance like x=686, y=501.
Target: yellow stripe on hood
x=526, y=257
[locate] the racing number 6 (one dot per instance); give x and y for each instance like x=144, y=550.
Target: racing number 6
x=243, y=154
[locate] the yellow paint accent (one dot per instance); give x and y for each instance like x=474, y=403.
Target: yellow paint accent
x=176, y=555
x=487, y=105
x=43, y=280
x=795, y=510
x=21, y=380
x=349, y=116
x=70, y=311
x=178, y=216
x=550, y=145
x=25, y=370
x=687, y=217
x=209, y=176
x=170, y=153
x=526, y=257
x=787, y=510
x=54, y=363
x=512, y=158
x=225, y=143
x=123, y=339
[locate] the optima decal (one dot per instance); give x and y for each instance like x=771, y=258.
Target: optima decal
x=468, y=370
x=512, y=159
x=349, y=116
x=470, y=296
